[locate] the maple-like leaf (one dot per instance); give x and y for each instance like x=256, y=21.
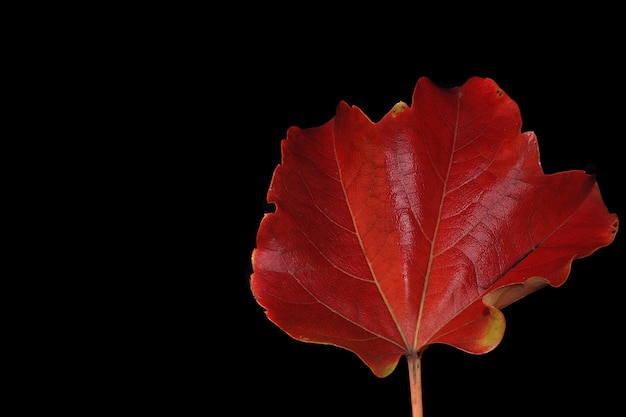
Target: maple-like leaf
x=418, y=229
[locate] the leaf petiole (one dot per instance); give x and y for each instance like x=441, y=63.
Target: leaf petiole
x=415, y=382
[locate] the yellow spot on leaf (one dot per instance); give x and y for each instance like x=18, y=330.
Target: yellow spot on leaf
x=398, y=108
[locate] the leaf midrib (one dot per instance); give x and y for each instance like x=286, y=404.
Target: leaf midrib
x=431, y=256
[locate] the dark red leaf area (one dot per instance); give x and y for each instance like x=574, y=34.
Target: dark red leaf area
x=391, y=236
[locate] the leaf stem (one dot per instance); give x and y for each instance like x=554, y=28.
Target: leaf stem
x=415, y=382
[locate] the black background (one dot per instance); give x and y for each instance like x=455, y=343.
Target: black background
x=242, y=86
x=159, y=130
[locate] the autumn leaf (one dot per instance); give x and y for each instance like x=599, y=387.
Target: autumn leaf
x=418, y=229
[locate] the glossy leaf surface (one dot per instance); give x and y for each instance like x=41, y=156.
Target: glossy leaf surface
x=418, y=229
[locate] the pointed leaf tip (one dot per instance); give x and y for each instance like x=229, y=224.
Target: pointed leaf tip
x=398, y=108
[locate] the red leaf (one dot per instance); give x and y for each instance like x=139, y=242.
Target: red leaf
x=391, y=236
